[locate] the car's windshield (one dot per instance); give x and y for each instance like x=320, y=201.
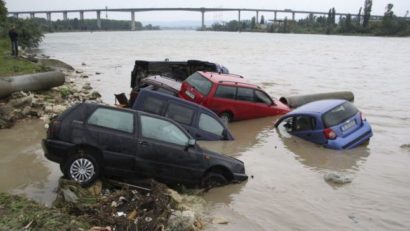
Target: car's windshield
x=199, y=82
x=339, y=114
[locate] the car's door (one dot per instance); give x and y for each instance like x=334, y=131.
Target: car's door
x=167, y=143
x=209, y=128
x=306, y=127
x=112, y=131
x=246, y=105
x=223, y=100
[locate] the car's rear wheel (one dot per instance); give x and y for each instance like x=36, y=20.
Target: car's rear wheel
x=83, y=168
x=213, y=179
x=226, y=117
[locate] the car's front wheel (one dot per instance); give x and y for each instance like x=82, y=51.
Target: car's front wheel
x=83, y=168
x=213, y=179
x=225, y=117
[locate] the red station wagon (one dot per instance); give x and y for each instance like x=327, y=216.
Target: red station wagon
x=230, y=96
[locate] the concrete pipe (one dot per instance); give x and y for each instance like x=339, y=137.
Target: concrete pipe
x=299, y=100
x=30, y=82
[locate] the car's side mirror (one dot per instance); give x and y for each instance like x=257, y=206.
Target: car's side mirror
x=191, y=142
x=225, y=134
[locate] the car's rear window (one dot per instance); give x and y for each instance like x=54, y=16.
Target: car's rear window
x=200, y=83
x=339, y=114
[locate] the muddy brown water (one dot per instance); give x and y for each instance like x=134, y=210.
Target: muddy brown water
x=286, y=190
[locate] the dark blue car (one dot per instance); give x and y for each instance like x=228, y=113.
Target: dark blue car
x=336, y=124
x=200, y=122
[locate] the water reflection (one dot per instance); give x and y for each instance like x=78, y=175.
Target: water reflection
x=318, y=158
x=23, y=169
x=248, y=134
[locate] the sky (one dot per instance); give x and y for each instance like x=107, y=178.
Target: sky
x=345, y=6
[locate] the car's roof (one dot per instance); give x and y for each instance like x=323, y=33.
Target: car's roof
x=163, y=81
x=171, y=97
x=317, y=107
x=227, y=79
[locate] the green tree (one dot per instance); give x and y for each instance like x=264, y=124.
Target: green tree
x=367, y=10
x=30, y=33
x=253, y=23
x=262, y=20
x=3, y=12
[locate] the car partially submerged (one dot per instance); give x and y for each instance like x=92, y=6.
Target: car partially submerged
x=199, y=121
x=335, y=124
x=164, y=76
x=90, y=140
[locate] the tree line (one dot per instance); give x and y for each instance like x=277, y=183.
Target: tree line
x=31, y=31
x=390, y=25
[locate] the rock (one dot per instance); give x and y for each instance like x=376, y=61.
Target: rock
x=98, y=73
x=79, y=72
x=5, y=110
x=87, y=86
x=69, y=196
x=26, y=110
x=114, y=204
x=338, y=178
x=96, y=188
x=220, y=221
x=18, y=94
x=405, y=146
x=21, y=102
x=184, y=220
x=84, y=76
x=58, y=109
x=132, y=215
x=95, y=95
x=83, y=64
x=174, y=195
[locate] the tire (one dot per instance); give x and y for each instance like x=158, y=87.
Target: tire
x=213, y=179
x=83, y=168
x=225, y=117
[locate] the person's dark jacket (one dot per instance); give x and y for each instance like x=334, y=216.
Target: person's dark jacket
x=13, y=35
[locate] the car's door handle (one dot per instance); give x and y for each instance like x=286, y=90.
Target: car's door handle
x=143, y=143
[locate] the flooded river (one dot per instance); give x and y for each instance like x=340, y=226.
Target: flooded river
x=287, y=190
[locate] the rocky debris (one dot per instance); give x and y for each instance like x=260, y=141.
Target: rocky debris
x=127, y=207
x=220, y=221
x=83, y=64
x=338, y=178
x=98, y=73
x=405, y=146
x=46, y=104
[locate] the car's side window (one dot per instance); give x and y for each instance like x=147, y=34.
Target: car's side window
x=153, y=105
x=114, y=119
x=262, y=97
x=245, y=94
x=209, y=124
x=225, y=92
x=158, y=129
x=180, y=113
x=304, y=123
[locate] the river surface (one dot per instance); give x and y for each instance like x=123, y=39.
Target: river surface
x=286, y=190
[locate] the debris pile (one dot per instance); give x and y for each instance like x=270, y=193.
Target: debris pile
x=129, y=207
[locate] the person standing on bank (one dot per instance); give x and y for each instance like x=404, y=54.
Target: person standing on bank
x=14, y=38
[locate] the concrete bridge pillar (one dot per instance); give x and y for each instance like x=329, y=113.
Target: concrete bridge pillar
x=257, y=18
x=239, y=20
x=99, y=19
x=65, y=17
x=275, y=16
x=132, y=20
x=49, y=16
x=82, y=15
x=293, y=16
x=32, y=15
x=203, y=20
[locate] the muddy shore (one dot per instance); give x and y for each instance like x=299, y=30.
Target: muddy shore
x=102, y=206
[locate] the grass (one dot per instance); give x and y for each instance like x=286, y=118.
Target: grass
x=10, y=66
x=19, y=213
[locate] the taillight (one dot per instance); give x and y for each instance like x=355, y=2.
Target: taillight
x=362, y=116
x=53, y=129
x=329, y=134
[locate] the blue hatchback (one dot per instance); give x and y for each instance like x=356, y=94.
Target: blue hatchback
x=336, y=124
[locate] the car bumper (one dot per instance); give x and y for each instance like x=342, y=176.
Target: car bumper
x=352, y=140
x=238, y=177
x=55, y=150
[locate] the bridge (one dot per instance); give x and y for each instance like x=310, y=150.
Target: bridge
x=202, y=10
